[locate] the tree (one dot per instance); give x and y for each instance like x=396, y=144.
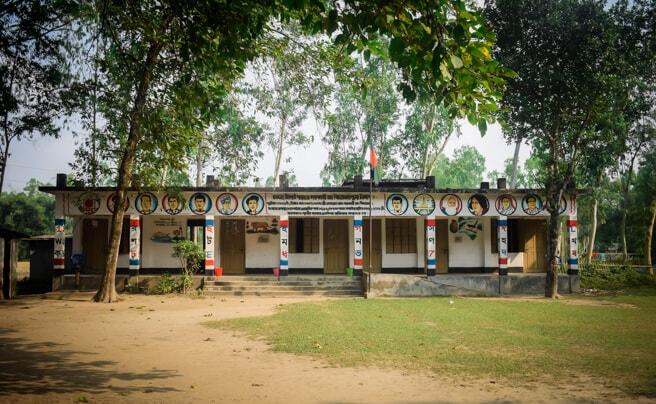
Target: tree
x=169, y=64
x=573, y=68
x=291, y=76
x=366, y=111
x=645, y=189
x=428, y=128
x=34, y=73
x=527, y=177
x=464, y=170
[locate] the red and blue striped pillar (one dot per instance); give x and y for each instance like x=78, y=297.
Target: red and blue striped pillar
x=358, y=254
x=209, y=245
x=283, y=224
x=502, y=236
x=58, y=260
x=431, y=239
x=573, y=259
x=134, y=259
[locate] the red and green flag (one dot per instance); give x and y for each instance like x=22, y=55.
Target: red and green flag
x=373, y=166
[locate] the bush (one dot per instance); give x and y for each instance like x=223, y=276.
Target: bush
x=614, y=277
x=190, y=255
x=167, y=284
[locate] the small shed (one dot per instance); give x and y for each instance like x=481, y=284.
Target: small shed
x=9, y=252
x=41, y=260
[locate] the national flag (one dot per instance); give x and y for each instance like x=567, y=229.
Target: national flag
x=373, y=166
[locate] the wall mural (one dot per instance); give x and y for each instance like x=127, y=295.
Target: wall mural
x=478, y=205
x=532, y=204
x=145, y=203
x=173, y=203
x=423, y=204
x=397, y=204
x=252, y=204
x=470, y=227
x=506, y=204
x=451, y=204
x=200, y=203
x=313, y=204
x=168, y=230
x=226, y=204
x=88, y=203
x=263, y=226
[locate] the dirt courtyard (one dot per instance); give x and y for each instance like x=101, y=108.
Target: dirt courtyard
x=154, y=349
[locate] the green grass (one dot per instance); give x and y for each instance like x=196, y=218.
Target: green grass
x=503, y=339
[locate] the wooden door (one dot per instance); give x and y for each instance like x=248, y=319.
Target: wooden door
x=233, y=246
x=376, y=246
x=534, y=238
x=335, y=246
x=95, y=244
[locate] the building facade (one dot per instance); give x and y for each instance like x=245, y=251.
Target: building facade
x=403, y=227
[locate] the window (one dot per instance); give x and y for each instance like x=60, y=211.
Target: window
x=401, y=236
x=304, y=235
x=514, y=246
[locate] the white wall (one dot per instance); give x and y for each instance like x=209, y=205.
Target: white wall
x=467, y=253
x=262, y=254
x=154, y=254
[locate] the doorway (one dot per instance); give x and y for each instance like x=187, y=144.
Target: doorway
x=95, y=244
x=376, y=246
x=233, y=246
x=335, y=246
x=533, y=233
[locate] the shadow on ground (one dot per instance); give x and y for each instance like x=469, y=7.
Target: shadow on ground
x=47, y=367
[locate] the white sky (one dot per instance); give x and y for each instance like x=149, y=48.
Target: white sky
x=43, y=158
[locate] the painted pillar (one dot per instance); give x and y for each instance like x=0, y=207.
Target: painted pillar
x=502, y=236
x=135, y=241
x=431, y=238
x=59, y=254
x=358, y=252
x=573, y=259
x=209, y=245
x=284, y=245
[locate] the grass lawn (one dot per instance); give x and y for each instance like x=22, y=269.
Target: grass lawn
x=611, y=339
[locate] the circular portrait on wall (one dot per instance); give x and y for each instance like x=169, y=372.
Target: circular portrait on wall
x=173, y=203
x=200, y=203
x=532, y=204
x=252, y=204
x=450, y=204
x=423, y=204
x=506, y=204
x=478, y=205
x=145, y=203
x=396, y=204
x=226, y=204
x=111, y=202
x=88, y=203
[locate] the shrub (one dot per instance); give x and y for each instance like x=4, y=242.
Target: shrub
x=167, y=284
x=614, y=277
x=190, y=255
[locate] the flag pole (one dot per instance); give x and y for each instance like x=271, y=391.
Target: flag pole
x=371, y=227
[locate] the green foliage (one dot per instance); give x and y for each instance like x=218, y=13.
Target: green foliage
x=31, y=211
x=167, y=284
x=190, y=255
x=34, y=73
x=527, y=177
x=464, y=170
x=614, y=277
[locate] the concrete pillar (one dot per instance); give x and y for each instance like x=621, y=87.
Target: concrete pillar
x=209, y=245
x=58, y=261
x=502, y=236
x=135, y=247
x=358, y=254
x=283, y=225
x=431, y=242
x=573, y=259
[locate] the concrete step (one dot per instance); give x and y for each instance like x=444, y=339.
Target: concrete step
x=282, y=293
x=289, y=278
x=298, y=288
x=282, y=283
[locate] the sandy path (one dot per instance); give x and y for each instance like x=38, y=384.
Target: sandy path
x=153, y=349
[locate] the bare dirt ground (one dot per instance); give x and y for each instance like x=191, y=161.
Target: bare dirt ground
x=154, y=349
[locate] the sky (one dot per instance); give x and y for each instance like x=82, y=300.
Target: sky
x=42, y=158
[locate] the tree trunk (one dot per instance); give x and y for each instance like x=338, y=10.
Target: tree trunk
x=593, y=230
x=648, y=238
x=281, y=144
x=513, y=178
x=107, y=290
x=551, y=287
x=199, y=167
x=625, y=250
x=3, y=162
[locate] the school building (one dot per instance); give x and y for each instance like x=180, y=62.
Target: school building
x=396, y=233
